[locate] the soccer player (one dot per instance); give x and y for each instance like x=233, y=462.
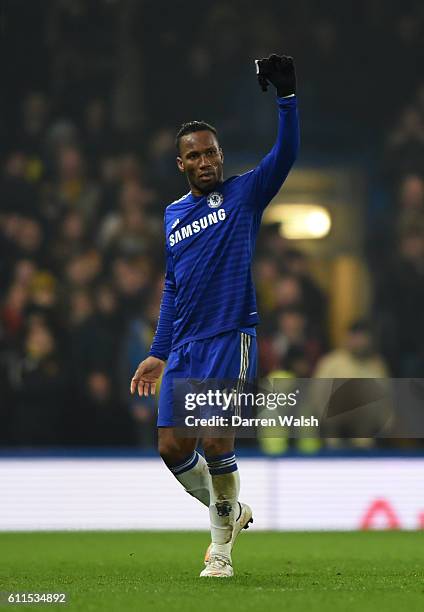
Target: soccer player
x=208, y=314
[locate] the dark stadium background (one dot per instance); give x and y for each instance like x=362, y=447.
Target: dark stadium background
x=93, y=93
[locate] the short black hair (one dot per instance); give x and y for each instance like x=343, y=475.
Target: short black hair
x=361, y=326
x=193, y=126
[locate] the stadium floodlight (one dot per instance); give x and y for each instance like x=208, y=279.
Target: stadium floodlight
x=300, y=221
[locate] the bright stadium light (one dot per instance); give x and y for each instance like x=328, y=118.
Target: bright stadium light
x=300, y=221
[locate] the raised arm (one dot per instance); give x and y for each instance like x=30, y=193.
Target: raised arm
x=266, y=179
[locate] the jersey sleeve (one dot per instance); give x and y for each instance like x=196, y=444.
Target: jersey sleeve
x=161, y=345
x=263, y=182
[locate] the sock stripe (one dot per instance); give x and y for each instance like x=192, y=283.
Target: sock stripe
x=220, y=457
x=223, y=470
x=188, y=464
x=222, y=463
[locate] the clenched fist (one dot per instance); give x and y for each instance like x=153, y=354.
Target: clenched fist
x=278, y=70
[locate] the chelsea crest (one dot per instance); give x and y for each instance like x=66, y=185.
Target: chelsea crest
x=215, y=199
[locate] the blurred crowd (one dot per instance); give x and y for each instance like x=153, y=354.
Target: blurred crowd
x=396, y=243
x=82, y=196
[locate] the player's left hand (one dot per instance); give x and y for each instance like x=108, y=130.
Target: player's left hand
x=278, y=70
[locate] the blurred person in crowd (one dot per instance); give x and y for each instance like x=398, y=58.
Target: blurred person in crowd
x=399, y=306
x=19, y=272
x=419, y=102
x=18, y=195
x=40, y=379
x=108, y=310
x=358, y=358
x=132, y=278
x=80, y=307
x=135, y=194
x=73, y=190
x=105, y=417
x=134, y=200
x=8, y=396
x=161, y=161
x=131, y=231
x=293, y=365
x=43, y=290
x=43, y=297
x=411, y=196
x=110, y=183
x=94, y=335
x=80, y=318
x=288, y=292
x=272, y=244
x=136, y=348
x=60, y=134
x=130, y=168
x=30, y=240
x=297, y=363
x=405, y=145
x=13, y=303
x=70, y=239
x=98, y=134
x=8, y=229
x=12, y=311
x=32, y=127
x=84, y=268
x=24, y=271
x=266, y=276
x=411, y=203
x=134, y=235
x=292, y=333
x=313, y=299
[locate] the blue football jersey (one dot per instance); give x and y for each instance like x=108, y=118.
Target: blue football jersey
x=210, y=241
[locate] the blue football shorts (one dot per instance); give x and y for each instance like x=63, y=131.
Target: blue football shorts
x=228, y=356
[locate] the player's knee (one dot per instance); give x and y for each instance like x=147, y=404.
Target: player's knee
x=172, y=452
x=215, y=447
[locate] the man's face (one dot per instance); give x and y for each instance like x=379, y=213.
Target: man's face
x=359, y=343
x=201, y=159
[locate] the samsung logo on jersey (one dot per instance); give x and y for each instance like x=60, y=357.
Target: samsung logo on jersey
x=196, y=226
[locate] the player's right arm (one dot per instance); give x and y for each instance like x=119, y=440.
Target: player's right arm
x=149, y=370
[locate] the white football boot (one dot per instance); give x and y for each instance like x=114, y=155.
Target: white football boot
x=217, y=566
x=243, y=522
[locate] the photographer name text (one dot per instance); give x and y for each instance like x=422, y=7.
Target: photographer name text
x=238, y=421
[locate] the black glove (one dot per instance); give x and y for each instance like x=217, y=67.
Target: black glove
x=278, y=70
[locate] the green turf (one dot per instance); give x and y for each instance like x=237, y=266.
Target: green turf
x=124, y=571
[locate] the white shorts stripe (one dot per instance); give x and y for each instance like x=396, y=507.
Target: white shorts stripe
x=244, y=364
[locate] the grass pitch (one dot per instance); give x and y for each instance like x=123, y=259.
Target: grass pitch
x=302, y=572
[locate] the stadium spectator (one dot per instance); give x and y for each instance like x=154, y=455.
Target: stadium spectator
x=358, y=358
x=106, y=419
x=291, y=334
x=405, y=145
x=142, y=409
x=39, y=379
x=399, y=303
x=72, y=189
